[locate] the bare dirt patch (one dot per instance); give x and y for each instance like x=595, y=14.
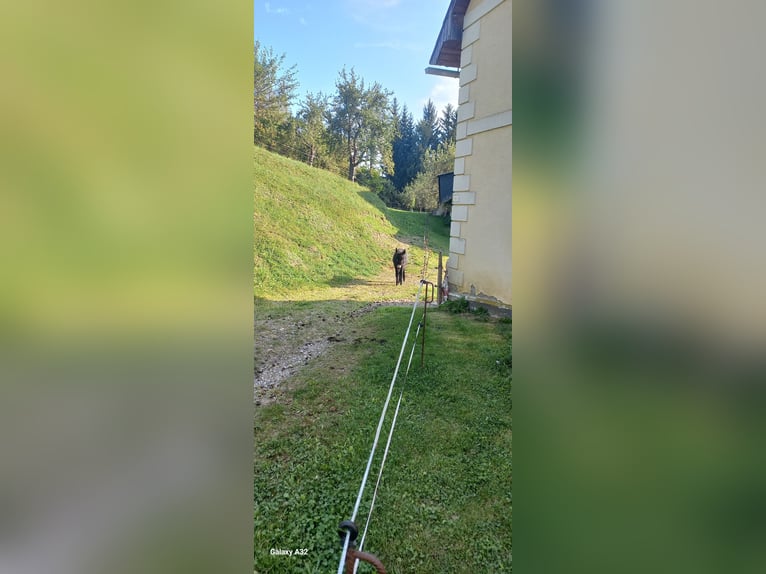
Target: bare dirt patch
x=289, y=334
x=288, y=337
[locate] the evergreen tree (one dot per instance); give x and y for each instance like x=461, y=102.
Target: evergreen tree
x=406, y=155
x=428, y=128
x=393, y=134
x=448, y=124
x=395, y=113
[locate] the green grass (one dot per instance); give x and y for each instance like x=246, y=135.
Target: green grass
x=411, y=226
x=322, y=249
x=313, y=228
x=445, y=501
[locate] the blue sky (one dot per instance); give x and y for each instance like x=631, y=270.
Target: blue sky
x=388, y=41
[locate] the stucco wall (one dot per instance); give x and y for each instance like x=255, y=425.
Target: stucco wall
x=480, y=243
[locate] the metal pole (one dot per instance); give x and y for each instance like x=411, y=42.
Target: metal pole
x=439, y=280
x=426, y=301
x=423, y=347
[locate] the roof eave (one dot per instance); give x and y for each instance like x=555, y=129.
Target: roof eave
x=448, y=44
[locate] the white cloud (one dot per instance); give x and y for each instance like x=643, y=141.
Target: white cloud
x=270, y=10
x=303, y=22
x=443, y=91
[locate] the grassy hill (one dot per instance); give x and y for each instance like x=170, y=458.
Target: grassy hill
x=313, y=227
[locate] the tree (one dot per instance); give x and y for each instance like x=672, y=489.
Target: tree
x=448, y=124
x=380, y=185
x=423, y=193
x=389, y=168
x=428, y=128
x=312, y=128
x=360, y=119
x=273, y=92
x=395, y=114
x=405, y=152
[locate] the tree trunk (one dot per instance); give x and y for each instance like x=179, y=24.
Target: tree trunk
x=351, y=162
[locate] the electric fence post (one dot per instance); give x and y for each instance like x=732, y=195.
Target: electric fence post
x=439, y=276
x=428, y=287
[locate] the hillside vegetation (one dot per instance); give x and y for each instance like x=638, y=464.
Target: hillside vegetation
x=313, y=227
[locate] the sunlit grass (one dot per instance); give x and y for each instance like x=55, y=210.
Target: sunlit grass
x=445, y=501
x=315, y=232
x=323, y=250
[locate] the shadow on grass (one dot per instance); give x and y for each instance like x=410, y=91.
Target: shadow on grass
x=345, y=281
x=412, y=225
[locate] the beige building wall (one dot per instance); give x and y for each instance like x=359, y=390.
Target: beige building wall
x=479, y=266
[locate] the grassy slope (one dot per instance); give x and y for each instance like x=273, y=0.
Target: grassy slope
x=312, y=227
x=445, y=500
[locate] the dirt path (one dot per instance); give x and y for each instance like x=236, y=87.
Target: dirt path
x=289, y=334
x=284, y=344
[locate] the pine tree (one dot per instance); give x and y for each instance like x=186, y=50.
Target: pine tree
x=428, y=128
x=406, y=155
x=448, y=125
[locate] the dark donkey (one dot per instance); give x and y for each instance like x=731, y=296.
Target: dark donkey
x=400, y=263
